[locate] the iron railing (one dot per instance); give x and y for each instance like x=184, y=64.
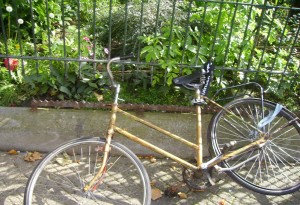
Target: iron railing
x=254, y=40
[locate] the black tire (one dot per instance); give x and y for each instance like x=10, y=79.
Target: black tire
x=276, y=169
x=60, y=177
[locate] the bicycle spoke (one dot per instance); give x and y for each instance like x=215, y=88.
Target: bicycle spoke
x=276, y=168
x=122, y=182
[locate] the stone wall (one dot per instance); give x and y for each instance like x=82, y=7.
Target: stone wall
x=43, y=129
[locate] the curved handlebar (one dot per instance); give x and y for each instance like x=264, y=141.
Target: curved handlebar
x=131, y=55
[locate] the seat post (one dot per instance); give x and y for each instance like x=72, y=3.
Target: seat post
x=199, y=129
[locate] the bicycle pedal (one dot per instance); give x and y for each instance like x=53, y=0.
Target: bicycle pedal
x=228, y=146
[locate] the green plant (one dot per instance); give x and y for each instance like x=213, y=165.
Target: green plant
x=253, y=45
x=54, y=36
x=155, y=95
x=8, y=94
x=11, y=92
x=128, y=21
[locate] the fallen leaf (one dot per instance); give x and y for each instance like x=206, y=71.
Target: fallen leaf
x=13, y=152
x=98, y=96
x=27, y=157
x=63, y=161
x=152, y=183
x=152, y=159
x=175, y=169
x=173, y=190
x=182, y=195
x=222, y=202
x=32, y=156
x=155, y=194
x=36, y=155
x=142, y=156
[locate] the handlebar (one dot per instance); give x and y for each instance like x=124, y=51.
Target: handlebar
x=131, y=55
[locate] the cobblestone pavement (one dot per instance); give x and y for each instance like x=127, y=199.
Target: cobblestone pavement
x=14, y=172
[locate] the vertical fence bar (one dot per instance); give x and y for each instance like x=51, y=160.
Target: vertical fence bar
x=296, y=78
x=49, y=36
x=19, y=24
x=201, y=33
x=157, y=17
x=290, y=54
x=155, y=35
x=278, y=49
x=211, y=55
x=62, y=7
x=186, y=34
x=216, y=32
x=79, y=36
x=125, y=27
x=3, y=28
x=33, y=36
x=255, y=40
x=170, y=39
x=125, y=37
x=230, y=33
x=109, y=32
x=140, y=29
x=229, y=39
x=5, y=37
x=265, y=45
x=94, y=34
x=245, y=33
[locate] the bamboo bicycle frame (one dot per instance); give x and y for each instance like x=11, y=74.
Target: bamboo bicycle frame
x=196, y=146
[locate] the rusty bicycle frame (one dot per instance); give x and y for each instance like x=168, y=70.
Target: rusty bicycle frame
x=198, y=146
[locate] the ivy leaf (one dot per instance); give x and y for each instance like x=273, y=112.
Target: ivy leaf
x=192, y=48
x=147, y=49
x=94, y=85
x=65, y=90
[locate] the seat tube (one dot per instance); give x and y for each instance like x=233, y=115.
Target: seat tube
x=199, y=130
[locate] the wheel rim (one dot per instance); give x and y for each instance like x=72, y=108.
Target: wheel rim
x=113, y=188
x=276, y=167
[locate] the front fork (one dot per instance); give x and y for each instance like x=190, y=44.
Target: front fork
x=109, y=137
x=106, y=151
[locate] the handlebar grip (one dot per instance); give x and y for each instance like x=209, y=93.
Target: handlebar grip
x=131, y=55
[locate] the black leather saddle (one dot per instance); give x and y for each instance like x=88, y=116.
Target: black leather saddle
x=199, y=79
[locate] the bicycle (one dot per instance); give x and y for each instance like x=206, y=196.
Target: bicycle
x=253, y=140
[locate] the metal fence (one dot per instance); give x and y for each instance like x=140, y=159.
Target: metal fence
x=249, y=40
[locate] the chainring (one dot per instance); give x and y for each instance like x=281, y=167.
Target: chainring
x=198, y=180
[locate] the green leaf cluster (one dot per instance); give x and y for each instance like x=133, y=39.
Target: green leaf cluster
x=251, y=40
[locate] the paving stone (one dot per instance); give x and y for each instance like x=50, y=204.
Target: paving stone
x=14, y=172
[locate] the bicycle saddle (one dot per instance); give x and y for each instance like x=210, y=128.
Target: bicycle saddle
x=187, y=79
x=197, y=79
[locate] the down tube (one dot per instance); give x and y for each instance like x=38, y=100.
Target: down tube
x=154, y=148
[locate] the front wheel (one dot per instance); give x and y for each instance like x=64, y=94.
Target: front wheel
x=61, y=176
x=273, y=169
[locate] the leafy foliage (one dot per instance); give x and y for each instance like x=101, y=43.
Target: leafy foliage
x=250, y=39
x=51, y=32
x=177, y=36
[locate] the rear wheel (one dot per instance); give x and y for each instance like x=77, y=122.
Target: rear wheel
x=61, y=176
x=276, y=168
